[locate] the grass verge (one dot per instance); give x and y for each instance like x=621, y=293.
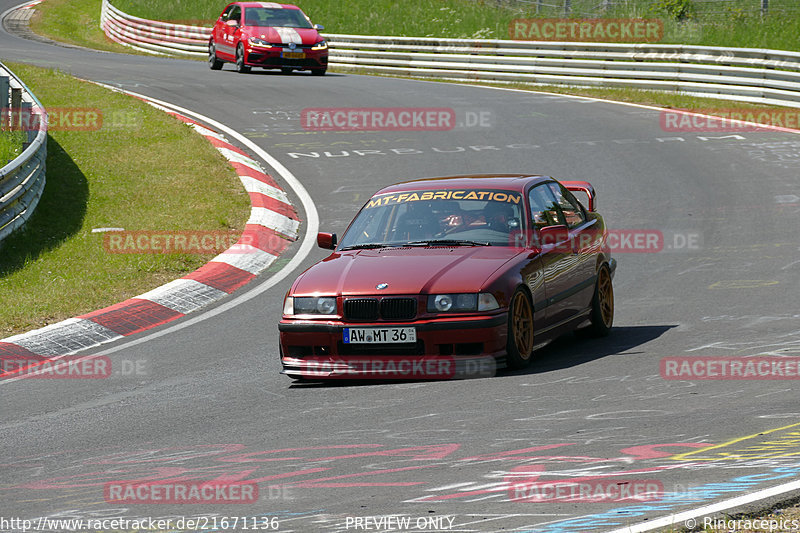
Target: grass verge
x=10, y=146
x=142, y=170
x=75, y=22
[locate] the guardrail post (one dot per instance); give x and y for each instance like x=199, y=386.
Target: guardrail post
x=15, y=121
x=764, y=7
x=26, y=123
x=567, y=7
x=5, y=88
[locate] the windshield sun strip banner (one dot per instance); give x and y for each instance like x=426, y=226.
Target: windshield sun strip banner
x=455, y=194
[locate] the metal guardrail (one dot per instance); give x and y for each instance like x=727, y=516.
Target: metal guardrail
x=743, y=74
x=22, y=180
x=153, y=36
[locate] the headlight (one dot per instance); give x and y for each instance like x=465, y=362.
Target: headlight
x=255, y=41
x=310, y=305
x=322, y=45
x=461, y=303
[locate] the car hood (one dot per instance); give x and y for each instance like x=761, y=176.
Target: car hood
x=407, y=270
x=274, y=34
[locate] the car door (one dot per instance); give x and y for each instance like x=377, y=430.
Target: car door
x=541, y=274
x=576, y=273
x=231, y=28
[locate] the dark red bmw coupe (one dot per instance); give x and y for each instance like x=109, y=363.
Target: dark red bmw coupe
x=450, y=277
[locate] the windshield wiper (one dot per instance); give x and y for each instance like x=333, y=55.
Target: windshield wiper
x=369, y=246
x=447, y=242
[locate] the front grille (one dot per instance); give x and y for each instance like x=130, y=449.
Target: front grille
x=388, y=309
x=398, y=308
x=361, y=309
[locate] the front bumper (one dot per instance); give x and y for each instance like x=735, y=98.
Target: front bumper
x=271, y=58
x=445, y=349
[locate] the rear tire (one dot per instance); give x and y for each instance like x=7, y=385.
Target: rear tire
x=519, y=347
x=287, y=70
x=318, y=71
x=602, y=315
x=240, y=66
x=213, y=62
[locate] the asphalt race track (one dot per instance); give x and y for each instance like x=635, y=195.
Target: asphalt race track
x=211, y=403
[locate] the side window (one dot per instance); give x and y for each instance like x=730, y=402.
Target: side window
x=544, y=208
x=573, y=213
x=227, y=13
x=235, y=14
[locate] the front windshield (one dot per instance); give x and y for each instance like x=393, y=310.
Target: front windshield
x=488, y=217
x=267, y=16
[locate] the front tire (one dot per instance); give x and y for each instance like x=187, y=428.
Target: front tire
x=240, y=66
x=318, y=71
x=602, y=315
x=213, y=62
x=519, y=347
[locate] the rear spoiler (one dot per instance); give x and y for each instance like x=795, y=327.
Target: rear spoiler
x=582, y=186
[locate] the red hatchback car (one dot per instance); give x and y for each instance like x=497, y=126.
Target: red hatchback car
x=451, y=277
x=267, y=35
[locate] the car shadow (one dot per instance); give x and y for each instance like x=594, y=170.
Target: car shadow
x=576, y=349
x=568, y=351
x=272, y=72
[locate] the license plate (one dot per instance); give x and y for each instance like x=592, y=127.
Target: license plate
x=294, y=55
x=379, y=335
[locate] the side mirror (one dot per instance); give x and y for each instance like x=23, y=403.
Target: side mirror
x=326, y=240
x=319, y=27
x=554, y=236
x=233, y=23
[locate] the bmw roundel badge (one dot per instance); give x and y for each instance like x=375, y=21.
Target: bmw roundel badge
x=381, y=286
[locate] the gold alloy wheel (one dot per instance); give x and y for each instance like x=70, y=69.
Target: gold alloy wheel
x=523, y=325
x=605, y=295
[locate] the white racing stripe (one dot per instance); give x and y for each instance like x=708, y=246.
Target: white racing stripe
x=289, y=35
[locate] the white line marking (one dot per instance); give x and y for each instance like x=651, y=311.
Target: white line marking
x=710, y=509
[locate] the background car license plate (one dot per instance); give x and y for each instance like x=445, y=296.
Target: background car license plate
x=294, y=55
x=379, y=335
